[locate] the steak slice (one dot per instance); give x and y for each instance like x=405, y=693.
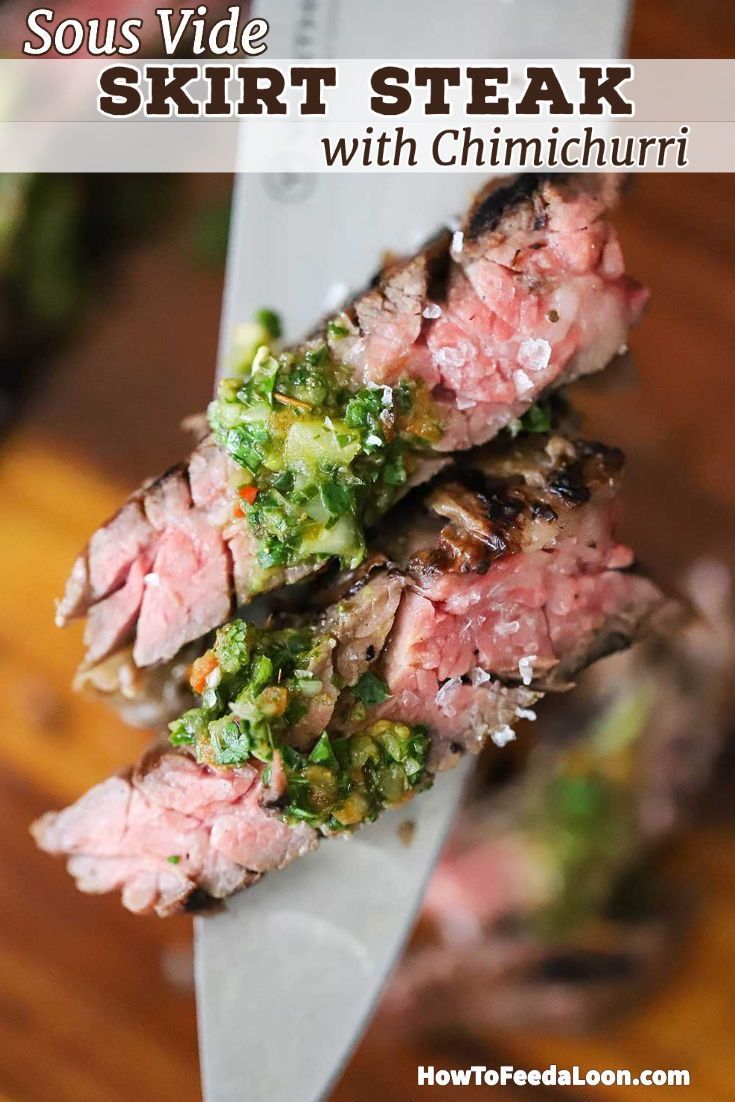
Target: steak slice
x=504, y=581
x=159, y=573
x=516, y=581
x=170, y=830
x=528, y=295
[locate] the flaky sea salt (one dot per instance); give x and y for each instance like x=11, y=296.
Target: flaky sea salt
x=433, y=310
x=151, y=580
x=479, y=676
x=503, y=735
x=457, y=242
x=444, y=695
x=526, y=713
x=374, y=441
x=509, y=628
x=525, y=668
x=522, y=382
x=449, y=356
x=386, y=393
x=534, y=354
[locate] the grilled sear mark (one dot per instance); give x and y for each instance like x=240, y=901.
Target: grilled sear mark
x=475, y=534
x=512, y=500
x=519, y=196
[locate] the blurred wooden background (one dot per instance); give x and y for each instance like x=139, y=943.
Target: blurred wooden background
x=95, y=1005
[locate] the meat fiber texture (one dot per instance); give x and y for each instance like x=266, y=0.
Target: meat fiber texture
x=523, y=587
x=171, y=830
x=529, y=294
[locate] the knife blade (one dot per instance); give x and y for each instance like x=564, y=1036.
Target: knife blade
x=288, y=975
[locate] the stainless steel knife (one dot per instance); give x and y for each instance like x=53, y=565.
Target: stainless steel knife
x=288, y=975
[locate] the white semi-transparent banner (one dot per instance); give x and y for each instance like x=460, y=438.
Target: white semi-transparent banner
x=276, y=115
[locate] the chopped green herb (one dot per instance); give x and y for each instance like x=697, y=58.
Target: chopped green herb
x=246, y=445
x=337, y=330
x=322, y=753
x=232, y=647
x=253, y=339
x=371, y=689
x=188, y=728
x=394, y=472
x=316, y=357
x=270, y=321
x=538, y=418
x=173, y=859
x=345, y=781
x=324, y=459
x=364, y=410
x=230, y=741
x=336, y=499
x=266, y=680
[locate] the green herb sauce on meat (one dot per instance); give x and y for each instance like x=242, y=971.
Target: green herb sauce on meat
x=349, y=780
x=320, y=459
x=255, y=684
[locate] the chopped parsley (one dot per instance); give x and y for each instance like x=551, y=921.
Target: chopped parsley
x=255, y=684
x=371, y=689
x=345, y=781
x=337, y=330
x=260, y=333
x=271, y=322
x=233, y=646
x=320, y=459
x=539, y=418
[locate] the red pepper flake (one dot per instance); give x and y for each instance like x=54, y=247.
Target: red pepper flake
x=248, y=493
x=201, y=670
